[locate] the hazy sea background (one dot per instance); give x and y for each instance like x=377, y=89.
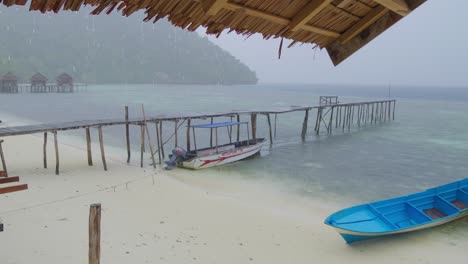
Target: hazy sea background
x=425, y=146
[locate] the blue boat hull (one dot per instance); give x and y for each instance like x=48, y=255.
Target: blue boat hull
x=403, y=214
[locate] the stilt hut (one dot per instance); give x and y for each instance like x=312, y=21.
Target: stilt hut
x=64, y=83
x=8, y=83
x=38, y=83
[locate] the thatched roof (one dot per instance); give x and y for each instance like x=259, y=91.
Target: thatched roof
x=64, y=77
x=37, y=77
x=340, y=26
x=9, y=77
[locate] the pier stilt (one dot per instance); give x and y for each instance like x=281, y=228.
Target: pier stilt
x=44, y=150
x=127, y=134
x=101, y=145
x=304, y=124
x=2, y=157
x=161, y=137
x=253, y=118
x=142, y=146
x=238, y=127
x=211, y=134
x=269, y=128
x=176, y=132
x=88, y=147
x=188, y=134
x=148, y=136
x=158, y=140
x=57, y=161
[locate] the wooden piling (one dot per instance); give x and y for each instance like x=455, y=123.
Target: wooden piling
x=330, y=123
x=142, y=146
x=127, y=134
x=57, y=161
x=2, y=157
x=394, y=106
x=94, y=234
x=44, y=150
x=269, y=128
x=88, y=147
x=238, y=127
x=161, y=137
x=304, y=124
x=158, y=140
x=188, y=134
x=175, y=132
x=253, y=118
x=211, y=134
x=148, y=137
x=101, y=145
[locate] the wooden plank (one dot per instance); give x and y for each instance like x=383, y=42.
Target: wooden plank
x=364, y=23
x=94, y=234
x=307, y=13
x=398, y=6
x=101, y=145
x=9, y=179
x=212, y=7
x=14, y=188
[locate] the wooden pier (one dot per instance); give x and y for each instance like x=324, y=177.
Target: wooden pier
x=329, y=114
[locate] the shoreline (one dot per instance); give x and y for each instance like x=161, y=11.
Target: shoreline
x=182, y=218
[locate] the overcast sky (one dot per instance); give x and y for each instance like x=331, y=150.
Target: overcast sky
x=428, y=47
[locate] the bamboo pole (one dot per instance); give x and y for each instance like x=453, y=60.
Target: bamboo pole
x=57, y=161
x=88, y=146
x=127, y=134
x=269, y=128
x=161, y=138
x=44, y=150
x=148, y=137
x=158, y=140
x=94, y=234
x=188, y=134
x=142, y=146
x=101, y=145
x=304, y=124
x=2, y=157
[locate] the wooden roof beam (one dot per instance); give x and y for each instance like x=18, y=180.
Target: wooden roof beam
x=398, y=6
x=364, y=23
x=277, y=19
x=212, y=7
x=307, y=13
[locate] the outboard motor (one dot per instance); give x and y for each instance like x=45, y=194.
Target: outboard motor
x=177, y=157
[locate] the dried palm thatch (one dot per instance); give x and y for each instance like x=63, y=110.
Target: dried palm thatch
x=340, y=26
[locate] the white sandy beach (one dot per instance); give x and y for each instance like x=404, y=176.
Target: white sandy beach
x=178, y=219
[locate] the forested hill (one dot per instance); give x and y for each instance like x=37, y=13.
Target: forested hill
x=111, y=49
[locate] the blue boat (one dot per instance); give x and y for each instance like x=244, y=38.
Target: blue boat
x=433, y=207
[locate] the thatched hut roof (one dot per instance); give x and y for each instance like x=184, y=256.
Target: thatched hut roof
x=340, y=26
x=9, y=77
x=64, y=78
x=37, y=77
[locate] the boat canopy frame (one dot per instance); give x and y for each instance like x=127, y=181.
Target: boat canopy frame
x=215, y=126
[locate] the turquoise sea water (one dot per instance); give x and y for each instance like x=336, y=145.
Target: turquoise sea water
x=425, y=146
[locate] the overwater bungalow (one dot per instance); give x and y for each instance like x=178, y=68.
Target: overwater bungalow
x=39, y=83
x=8, y=83
x=64, y=83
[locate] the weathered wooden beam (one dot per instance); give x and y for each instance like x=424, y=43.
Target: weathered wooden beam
x=127, y=134
x=9, y=179
x=398, y=6
x=88, y=147
x=304, y=125
x=307, y=13
x=212, y=7
x=14, y=188
x=57, y=160
x=94, y=234
x=44, y=150
x=101, y=144
x=362, y=24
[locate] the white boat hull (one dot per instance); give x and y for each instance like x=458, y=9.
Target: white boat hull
x=222, y=158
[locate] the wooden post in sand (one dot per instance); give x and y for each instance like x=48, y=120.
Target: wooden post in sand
x=253, y=119
x=158, y=140
x=175, y=133
x=44, y=150
x=304, y=125
x=161, y=138
x=148, y=136
x=142, y=147
x=57, y=163
x=101, y=144
x=188, y=134
x=88, y=147
x=2, y=157
x=127, y=134
x=94, y=232
x=269, y=128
